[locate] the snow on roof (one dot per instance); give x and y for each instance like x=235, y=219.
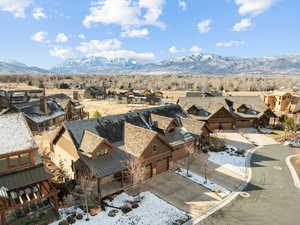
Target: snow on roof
x=15, y=134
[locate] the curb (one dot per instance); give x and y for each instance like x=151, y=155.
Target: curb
x=292, y=170
x=233, y=195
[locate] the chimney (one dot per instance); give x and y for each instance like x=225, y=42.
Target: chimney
x=75, y=95
x=44, y=104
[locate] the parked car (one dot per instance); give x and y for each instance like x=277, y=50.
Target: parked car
x=295, y=143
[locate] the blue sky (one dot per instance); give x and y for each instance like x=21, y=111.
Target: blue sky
x=45, y=32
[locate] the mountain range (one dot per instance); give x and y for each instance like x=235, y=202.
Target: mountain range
x=185, y=65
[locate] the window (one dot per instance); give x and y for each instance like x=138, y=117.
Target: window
x=24, y=159
x=3, y=164
x=14, y=161
x=154, y=148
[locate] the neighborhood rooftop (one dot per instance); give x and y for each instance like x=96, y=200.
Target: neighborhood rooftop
x=112, y=127
x=15, y=134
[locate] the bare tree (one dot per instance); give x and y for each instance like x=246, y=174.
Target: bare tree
x=191, y=150
x=87, y=185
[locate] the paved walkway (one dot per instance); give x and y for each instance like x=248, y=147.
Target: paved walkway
x=256, y=137
x=274, y=200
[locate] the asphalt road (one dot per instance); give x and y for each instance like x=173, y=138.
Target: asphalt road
x=273, y=200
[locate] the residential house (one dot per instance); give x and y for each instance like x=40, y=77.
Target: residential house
x=277, y=101
x=104, y=145
x=21, y=96
x=26, y=193
x=95, y=92
x=73, y=108
x=204, y=93
x=229, y=112
x=43, y=114
x=132, y=97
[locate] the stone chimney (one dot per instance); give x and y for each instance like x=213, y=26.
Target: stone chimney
x=75, y=95
x=44, y=105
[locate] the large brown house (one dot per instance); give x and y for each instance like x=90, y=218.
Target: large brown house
x=25, y=190
x=229, y=112
x=104, y=145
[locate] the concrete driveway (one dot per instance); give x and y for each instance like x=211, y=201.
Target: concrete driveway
x=256, y=137
x=233, y=137
x=273, y=200
x=180, y=192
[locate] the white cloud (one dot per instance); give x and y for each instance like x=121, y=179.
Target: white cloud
x=182, y=4
x=254, y=7
x=81, y=36
x=204, y=26
x=230, y=43
x=61, y=52
x=61, y=37
x=38, y=13
x=154, y=11
x=39, y=36
x=95, y=46
x=17, y=7
x=135, y=33
x=243, y=25
x=173, y=50
x=195, y=49
x=125, y=13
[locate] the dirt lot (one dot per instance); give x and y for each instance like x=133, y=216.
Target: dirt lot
x=109, y=108
x=296, y=163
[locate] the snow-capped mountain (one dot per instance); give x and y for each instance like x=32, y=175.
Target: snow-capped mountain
x=14, y=67
x=192, y=64
x=95, y=65
x=185, y=65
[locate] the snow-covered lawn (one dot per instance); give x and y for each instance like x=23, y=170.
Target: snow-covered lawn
x=151, y=211
x=229, y=159
x=201, y=180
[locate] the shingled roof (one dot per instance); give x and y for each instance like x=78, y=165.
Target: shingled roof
x=24, y=177
x=162, y=121
x=212, y=104
x=15, y=134
x=137, y=139
x=193, y=126
x=112, y=127
x=90, y=142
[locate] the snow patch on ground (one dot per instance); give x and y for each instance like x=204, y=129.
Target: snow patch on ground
x=229, y=159
x=265, y=130
x=151, y=211
x=201, y=180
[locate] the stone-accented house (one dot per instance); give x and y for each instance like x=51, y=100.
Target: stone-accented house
x=104, y=145
x=72, y=107
x=25, y=190
x=278, y=101
x=95, y=92
x=229, y=112
x=43, y=114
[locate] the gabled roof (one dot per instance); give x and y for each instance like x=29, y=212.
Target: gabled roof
x=90, y=142
x=193, y=126
x=178, y=136
x=137, y=139
x=33, y=111
x=15, y=134
x=162, y=121
x=112, y=127
x=213, y=104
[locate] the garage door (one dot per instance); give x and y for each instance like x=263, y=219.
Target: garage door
x=244, y=124
x=226, y=126
x=162, y=166
x=148, y=172
x=178, y=154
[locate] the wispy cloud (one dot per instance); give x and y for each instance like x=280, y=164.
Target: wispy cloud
x=16, y=7
x=204, y=26
x=61, y=52
x=38, y=13
x=182, y=4
x=135, y=33
x=230, y=43
x=39, y=36
x=61, y=37
x=243, y=25
x=195, y=49
x=254, y=7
